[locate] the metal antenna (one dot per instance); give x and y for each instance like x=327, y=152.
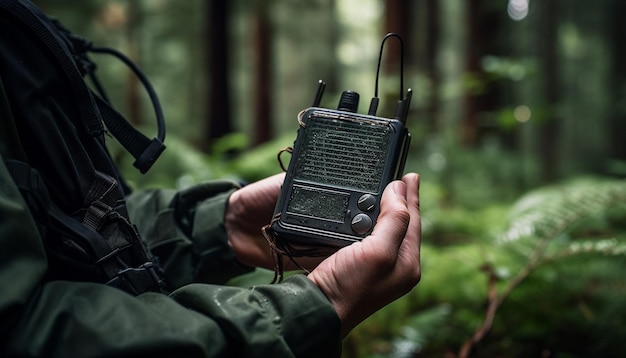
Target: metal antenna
x=375, y=100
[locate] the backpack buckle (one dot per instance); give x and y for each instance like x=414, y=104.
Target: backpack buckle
x=138, y=280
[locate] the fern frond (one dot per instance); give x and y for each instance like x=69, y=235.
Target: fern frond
x=608, y=247
x=419, y=330
x=544, y=220
x=546, y=212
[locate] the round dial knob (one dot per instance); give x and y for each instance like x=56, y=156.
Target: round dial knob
x=366, y=202
x=361, y=223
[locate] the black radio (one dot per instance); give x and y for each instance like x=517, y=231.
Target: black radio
x=341, y=162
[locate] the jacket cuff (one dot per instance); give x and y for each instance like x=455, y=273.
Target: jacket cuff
x=290, y=319
x=308, y=320
x=185, y=231
x=215, y=260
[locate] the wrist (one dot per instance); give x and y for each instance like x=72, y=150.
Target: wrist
x=337, y=301
x=243, y=237
x=233, y=211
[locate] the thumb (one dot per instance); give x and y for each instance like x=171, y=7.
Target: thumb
x=394, y=216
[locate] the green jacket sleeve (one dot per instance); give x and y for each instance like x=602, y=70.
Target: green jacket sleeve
x=80, y=319
x=185, y=231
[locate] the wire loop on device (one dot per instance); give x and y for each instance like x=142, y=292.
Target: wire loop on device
x=280, y=161
x=380, y=57
x=280, y=248
x=300, y=115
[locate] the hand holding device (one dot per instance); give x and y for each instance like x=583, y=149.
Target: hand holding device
x=341, y=163
x=361, y=278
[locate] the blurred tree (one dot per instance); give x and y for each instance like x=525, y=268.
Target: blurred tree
x=482, y=19
x=617, y=128
x=262, y=30
x=425, y=55
x=548, y=47
x=133, y=36
x=397, y=19
x=218, y=121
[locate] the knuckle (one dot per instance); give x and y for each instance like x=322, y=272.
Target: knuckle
x=403, y=217
x=400, y=214
x=412, y=274
x=411, y=279
x=415, y=276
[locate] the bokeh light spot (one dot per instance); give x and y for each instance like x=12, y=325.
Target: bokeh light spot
x=522, y=113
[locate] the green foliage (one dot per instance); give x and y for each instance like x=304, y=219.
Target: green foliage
x=261, y=162
x=580, y=216
x=421, y=328
x=556, y=255
x=560, y=261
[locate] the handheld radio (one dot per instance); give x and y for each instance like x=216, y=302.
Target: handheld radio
x=341, y=162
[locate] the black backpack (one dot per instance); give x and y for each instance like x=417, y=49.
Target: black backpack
x=53, y=127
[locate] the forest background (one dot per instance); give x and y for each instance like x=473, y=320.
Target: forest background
x=518, y=131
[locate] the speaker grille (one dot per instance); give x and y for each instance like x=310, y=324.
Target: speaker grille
x=342, y=152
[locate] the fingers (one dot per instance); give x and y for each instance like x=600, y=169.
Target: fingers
x=393, y=220
x=267, y=186
x=409, y=255
x=412, y=186
x=363, y=277
x=397, y=233
x=257, y=198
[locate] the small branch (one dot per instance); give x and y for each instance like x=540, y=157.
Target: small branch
x=537, y=258
x=492, y=307
x=495, y=300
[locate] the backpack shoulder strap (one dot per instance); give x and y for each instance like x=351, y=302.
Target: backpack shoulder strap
x=65, y=47
x=52, y=143
x=101, y=206
x=10, y=143
x=104, y=252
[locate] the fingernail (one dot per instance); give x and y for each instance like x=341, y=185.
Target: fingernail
x=400, y=188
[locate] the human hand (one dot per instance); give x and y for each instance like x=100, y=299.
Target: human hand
x=361, y=278
x=249, y=209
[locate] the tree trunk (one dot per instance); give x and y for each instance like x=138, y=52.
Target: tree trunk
x=133, y=102
x=263, y=88
x=218, y=121
x=428, y=59
x=396, y=20
x=549, y=130
x=617, y=120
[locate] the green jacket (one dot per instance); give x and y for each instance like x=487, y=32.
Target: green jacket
x=84, y=319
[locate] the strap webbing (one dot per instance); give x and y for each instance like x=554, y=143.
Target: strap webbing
x=129, y=279
x=144, y=150
x=10, y=143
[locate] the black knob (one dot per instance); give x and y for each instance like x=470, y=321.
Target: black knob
x=349, y=101
x=361, y=223
x=366, y=202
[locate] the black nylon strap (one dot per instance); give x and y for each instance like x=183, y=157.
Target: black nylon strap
x=138, y=280
x=24, y=11
x=92, y=108
x=115, y=258
x=10, y=143
x=132, y=280
x=28, y=180
x=144, y=150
